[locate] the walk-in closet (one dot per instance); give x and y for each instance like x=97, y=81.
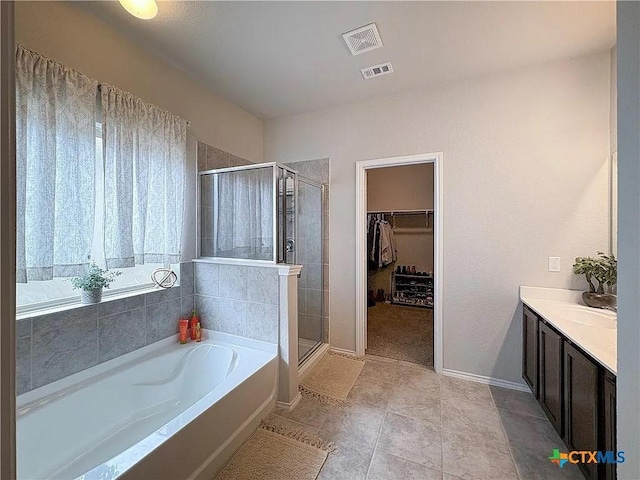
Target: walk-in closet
x=400, y=263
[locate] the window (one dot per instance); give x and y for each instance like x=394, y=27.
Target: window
x=36, y=295
x=96, y=181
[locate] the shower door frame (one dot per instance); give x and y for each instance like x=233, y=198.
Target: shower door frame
x=313, y=183
x=276, y=233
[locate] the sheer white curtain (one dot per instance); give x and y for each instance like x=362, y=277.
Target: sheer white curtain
x=245, y=214
x=144, y=171
x=55, y=163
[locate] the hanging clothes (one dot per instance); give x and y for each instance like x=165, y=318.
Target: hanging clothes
x=381, y=246
x=388, y=253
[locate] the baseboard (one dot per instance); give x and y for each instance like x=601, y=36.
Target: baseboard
x=344, y=351
x=289, y=405
x=496, y=382
x=312, y=361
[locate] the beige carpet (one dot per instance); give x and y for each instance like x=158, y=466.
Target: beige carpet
x=268, y=455
x=332, y=377
x=402, y=333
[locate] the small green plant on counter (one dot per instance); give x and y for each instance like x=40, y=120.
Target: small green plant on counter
x=602, y=270
x=95, y=279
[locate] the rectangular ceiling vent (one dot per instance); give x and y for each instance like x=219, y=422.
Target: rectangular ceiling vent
x=363, y=39
x=377, y=70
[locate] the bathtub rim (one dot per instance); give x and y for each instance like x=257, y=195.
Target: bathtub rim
x=28, y=399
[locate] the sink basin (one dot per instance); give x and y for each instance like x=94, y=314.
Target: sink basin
x=587, y=316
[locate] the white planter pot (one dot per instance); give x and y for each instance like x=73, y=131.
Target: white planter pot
x=89, y=297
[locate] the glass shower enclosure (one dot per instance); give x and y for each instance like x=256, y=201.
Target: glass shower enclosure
x=268, y=213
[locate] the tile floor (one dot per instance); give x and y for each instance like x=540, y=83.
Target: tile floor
x=406, y=422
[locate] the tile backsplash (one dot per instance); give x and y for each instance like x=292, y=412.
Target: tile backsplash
x=55, y=345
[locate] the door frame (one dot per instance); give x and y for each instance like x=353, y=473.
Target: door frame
x=361, y=245
x=7, y=243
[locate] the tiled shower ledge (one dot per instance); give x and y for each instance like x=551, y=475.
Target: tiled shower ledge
x=283, y=268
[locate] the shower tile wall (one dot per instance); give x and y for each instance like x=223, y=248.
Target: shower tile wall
x=317, y=170
x=237, y=299
x=53, y=346
x=210, y=158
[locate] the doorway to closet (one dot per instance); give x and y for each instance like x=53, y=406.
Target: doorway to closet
x=400, y=262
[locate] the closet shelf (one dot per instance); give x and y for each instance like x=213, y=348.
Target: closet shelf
x=412, y=230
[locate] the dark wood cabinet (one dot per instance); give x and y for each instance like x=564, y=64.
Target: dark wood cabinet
x=581, y=405
x=609, y=421
x=530, y=349
x=550, y=369
x=576, y=392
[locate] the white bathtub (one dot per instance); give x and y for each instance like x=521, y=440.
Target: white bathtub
x=166, y=411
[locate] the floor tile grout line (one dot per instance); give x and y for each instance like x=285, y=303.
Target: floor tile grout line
x=375, y=446
x=504, y=432
x=516, y=412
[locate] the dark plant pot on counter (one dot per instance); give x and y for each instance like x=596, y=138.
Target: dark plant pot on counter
x=88, y=297
x=599, y=300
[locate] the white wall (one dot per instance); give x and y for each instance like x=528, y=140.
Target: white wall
x=628, y=115
x=525, y=177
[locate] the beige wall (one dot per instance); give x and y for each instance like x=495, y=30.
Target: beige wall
x=400, y=188
x=403, y=188
x=83, y=42
x=524, y=178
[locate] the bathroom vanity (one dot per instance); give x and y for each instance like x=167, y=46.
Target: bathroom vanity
x=569, y=361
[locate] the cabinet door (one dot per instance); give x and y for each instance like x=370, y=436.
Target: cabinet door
x=581, y=405
x=530, y=349
x=609, y=421
x=550, y=374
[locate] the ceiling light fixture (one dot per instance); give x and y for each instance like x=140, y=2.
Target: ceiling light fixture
x=144, y=9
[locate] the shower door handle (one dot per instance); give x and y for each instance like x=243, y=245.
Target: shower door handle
x=290, y=245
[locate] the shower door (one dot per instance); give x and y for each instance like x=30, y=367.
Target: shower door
x=309, y=255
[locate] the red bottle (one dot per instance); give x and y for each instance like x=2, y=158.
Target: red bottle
x=184, y=325
x=192, y=324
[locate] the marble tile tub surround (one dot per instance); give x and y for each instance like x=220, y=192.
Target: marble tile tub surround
x=407, y=422
x=238, y=299
x=55, y=345
x=210, y=158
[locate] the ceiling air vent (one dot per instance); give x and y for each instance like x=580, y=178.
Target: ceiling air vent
x=377, y=70
x=363, y=39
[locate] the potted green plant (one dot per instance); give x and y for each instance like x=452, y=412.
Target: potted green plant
x=601, y=273
x=92, y=283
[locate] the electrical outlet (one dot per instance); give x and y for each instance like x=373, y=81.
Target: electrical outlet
x=554, y=264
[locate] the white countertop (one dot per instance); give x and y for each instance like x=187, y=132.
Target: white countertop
x=593, y=330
